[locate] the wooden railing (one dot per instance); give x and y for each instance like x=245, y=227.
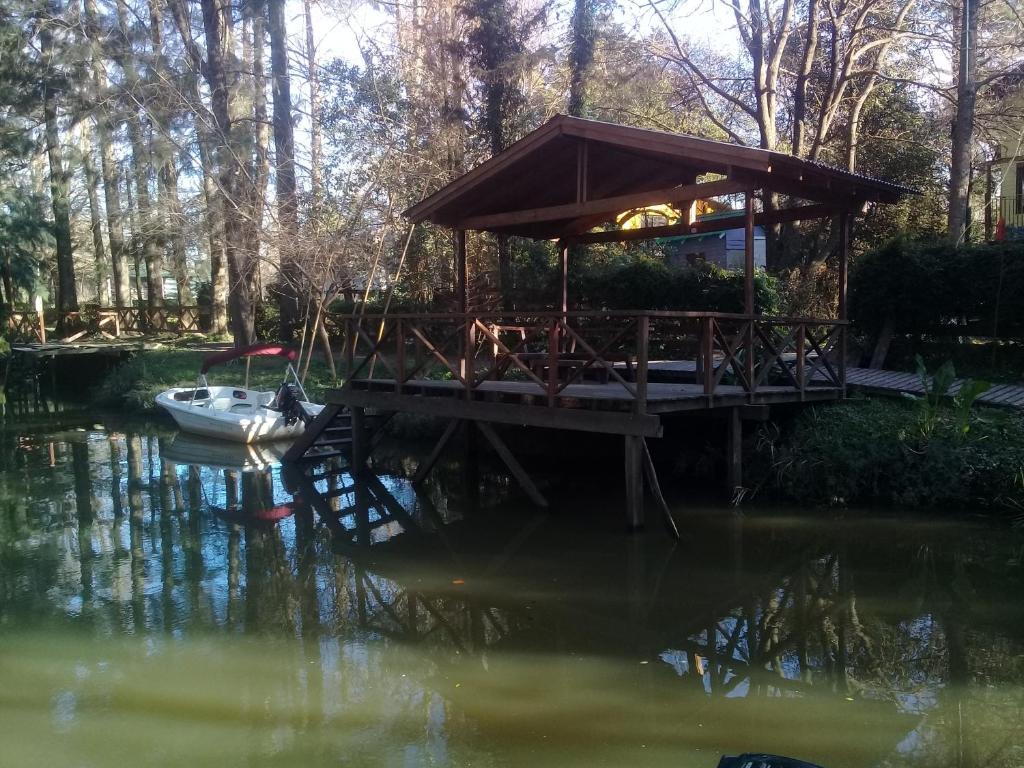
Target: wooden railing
x=550, y=351
x=109, y=321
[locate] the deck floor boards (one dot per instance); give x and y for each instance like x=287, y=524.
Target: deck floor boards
x=661, y=397
x=897, y=382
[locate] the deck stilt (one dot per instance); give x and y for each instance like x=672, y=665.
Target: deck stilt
x=734, y=453
x=655, y=486
x=428, y=464
x=634, y=482
x=514, y=466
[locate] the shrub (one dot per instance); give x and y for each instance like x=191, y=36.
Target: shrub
x=935, y=289
x=875, y=451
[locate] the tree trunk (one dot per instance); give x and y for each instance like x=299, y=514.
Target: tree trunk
x=581, y=55
x=170, y=213
x=134, y=248
x=963, y=122
x=99, y=252
x=803, y=76
x=108, y=165
x=217, y=25
x=284, y=166
x=141, y=161
x=214, y=214
x=67, y=296
x=315, y=132
x=173, y=219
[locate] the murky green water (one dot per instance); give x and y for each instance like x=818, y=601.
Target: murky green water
x=158, y=613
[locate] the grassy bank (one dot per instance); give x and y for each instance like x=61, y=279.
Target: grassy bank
x=134, y=384
x=894, y=452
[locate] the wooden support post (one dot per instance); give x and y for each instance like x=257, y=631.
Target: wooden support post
x=634, y=482
x=350, y=348
x=554, y=344
x=399, y=354
x=428, y=464
x=748, y=253
x=734, y=453
x=655, y=486
x=707, y=350
x=844, y=259
x=468, y=337
x=643, y=331
x=359, y=446
x=748, y=284
x=563, y=263
x=514, y=466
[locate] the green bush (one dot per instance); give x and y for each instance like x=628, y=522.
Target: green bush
x=877, y=451
x=935, y=289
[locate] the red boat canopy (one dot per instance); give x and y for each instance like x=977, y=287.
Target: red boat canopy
x=256, y=350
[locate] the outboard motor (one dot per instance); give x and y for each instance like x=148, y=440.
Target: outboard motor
x=287, y=402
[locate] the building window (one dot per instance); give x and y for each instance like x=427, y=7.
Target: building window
x=693, y=259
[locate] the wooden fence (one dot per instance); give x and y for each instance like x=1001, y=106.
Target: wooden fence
x=552, y=350
x=112, y=322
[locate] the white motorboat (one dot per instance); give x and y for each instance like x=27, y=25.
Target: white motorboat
x=240, y=414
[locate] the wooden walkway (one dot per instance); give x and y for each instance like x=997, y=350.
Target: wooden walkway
x=896, y=383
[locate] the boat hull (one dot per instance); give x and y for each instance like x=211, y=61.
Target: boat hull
x=227, y=413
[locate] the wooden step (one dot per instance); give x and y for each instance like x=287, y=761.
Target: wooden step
x=308, y=456
x=332, y=441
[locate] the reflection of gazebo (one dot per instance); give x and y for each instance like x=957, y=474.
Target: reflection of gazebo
x=603, y=371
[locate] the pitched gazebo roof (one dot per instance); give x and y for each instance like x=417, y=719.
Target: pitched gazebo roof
x=571, y=175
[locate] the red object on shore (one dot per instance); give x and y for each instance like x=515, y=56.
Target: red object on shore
x=256, y=350
x=1000, y=230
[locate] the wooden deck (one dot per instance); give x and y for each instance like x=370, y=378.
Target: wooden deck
x=896, y=383
x=609, y=372
x=662, y=398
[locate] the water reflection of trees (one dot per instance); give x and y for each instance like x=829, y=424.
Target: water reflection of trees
x=97, y=527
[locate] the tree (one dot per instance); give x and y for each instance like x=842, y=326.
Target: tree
x=105, y=112
x=583, y=31
x=284, y=167
x=218, y=26
x=963, y=120
x=67, y=296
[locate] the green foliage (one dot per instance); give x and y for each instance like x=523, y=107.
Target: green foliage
x=935, y=289
x=936, y=397
x=653, y=284
x=133, y=385
x=873, y=452
x=24, y=235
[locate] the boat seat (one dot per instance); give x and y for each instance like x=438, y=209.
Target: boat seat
x=188, y=395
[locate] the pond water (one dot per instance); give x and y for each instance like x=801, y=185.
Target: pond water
x=155, y=612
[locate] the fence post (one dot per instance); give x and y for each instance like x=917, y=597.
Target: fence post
x=749, y=362
x=400, y=354
x=801, y=343
x=707, y=346
x=643, y=331
x=553, y=343
x=349, y=349
x=842, y=358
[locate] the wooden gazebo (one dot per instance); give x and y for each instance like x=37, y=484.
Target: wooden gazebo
x=617, y=372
